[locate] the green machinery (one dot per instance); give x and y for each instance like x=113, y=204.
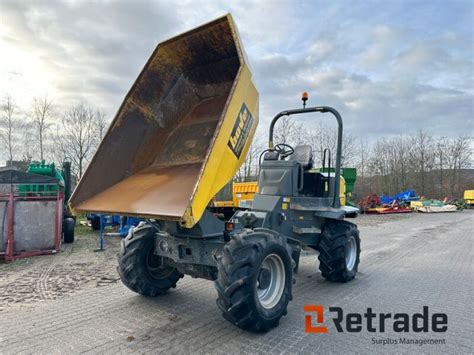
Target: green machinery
x=350, y=177
x=41, y=168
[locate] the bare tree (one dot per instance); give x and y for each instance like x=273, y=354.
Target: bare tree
x=27, y=143
x=249, y=169
x=288, y=131
x=363, y=151
x=42, y=112
x=459, y=157
x=388, y=165
x=362, y=164
x=349, y=150
x=326, y=137
x=9, y=124
x=378, y=164
x=101, y=125
x=77, y=137
x=432, y=166
x=441, y=161
x=58, y=152
x=422, y=157
x=319, y=142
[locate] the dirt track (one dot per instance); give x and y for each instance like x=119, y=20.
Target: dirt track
x=28, y=281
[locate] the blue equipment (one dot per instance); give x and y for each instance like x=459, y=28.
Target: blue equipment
x=405, y=196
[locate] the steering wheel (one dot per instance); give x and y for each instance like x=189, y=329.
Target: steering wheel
x=284, y=150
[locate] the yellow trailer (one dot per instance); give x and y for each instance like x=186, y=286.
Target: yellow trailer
x=243, y=192
x=469, y=198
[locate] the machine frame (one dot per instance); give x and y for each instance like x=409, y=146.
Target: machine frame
x=298, y=218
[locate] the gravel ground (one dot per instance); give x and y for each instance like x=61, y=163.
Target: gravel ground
x=373, y=220
x=407, y=262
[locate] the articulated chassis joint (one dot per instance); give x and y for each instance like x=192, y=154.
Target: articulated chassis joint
x=194, y=256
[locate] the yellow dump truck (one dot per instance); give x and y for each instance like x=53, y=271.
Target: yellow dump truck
x=180, y=135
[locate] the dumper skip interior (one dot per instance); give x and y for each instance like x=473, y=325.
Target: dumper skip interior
x=181, y=133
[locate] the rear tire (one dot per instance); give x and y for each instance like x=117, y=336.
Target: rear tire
x=140, y=269
x=339, y=251
x=68, y=230
x=255, y=279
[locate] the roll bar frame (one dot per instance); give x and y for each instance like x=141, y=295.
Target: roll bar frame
x=323, y=109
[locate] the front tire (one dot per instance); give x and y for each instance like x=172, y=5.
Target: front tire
x=140, y=269
x=339, y=251
x=255, y=273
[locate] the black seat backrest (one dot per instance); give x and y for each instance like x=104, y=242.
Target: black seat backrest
x=304, y=155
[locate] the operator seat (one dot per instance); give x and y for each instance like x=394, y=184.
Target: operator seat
x=311, y=183
x=303, y=154
x=286, y=177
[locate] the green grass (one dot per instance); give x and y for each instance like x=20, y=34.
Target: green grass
x=86, y=230
x=83, y=230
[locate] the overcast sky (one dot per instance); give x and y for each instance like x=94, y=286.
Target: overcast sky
x=388, y=66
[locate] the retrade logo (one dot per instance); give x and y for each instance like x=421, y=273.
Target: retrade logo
x=242, y=127
x=308, y=319
x=373, y=322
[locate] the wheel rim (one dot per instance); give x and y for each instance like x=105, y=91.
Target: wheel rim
x=271, y=281
x=351, y=253
x=155, y=266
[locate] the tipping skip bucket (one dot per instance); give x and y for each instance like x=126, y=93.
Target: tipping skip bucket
x=181, y=133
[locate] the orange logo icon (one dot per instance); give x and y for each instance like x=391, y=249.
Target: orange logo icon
x=309, y=327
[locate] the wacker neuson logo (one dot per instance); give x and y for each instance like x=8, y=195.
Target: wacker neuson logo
x=240, y=132
x=373, y=322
